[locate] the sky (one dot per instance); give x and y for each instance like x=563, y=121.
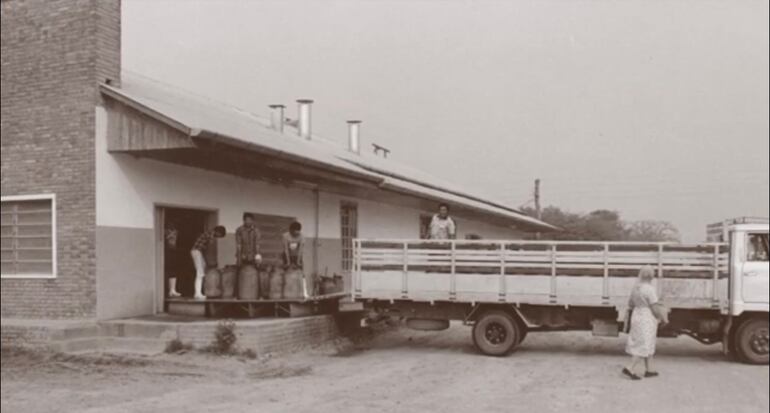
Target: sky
x=656, y=109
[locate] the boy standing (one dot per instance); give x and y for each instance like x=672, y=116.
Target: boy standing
x=293, y=245
x=442, y=226
x=247, y=242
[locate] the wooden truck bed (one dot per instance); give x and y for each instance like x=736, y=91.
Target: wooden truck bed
x=538, y=272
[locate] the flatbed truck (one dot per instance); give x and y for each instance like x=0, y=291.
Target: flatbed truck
x=717, y=291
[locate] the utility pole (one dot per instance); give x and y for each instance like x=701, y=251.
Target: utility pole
x=538, y=210
x=537, y=199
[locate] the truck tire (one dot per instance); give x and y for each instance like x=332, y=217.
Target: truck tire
x=496, y=333
x=751, y=341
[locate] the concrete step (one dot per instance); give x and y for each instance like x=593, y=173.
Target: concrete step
x=133, y=345
x=197, y=309
x=112, y=345
x=138, y=329
x=77, y=345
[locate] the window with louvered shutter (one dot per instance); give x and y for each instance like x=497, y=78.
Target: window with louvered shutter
x=28, y=243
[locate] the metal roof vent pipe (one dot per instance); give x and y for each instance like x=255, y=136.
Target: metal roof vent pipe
x=276, y=117
x=354, y=137
x=304, y=118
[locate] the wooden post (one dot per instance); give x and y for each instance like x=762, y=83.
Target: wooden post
x=453, y=275
x=715, y=292
x=660, y=270
x=405, y=276
x=502, y=272
x=606, y=280
x=553, y=273
x=537, y=204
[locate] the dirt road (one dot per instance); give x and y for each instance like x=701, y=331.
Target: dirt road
x=397, y=371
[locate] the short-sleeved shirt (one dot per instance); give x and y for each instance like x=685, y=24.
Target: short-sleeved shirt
x=203, y=241
x=442, y=228
x=293, y=244
x=247, y=237
x=643, y=295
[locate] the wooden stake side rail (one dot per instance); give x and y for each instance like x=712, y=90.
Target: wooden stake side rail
x=448, y=270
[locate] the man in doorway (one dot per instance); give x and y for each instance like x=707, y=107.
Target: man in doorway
x=247, y=242
x=198, y=252
x=442, y=226
x=171, y=258
x=293, y=246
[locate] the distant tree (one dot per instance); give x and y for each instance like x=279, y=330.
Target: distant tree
x=651, y=230
x=603, y=225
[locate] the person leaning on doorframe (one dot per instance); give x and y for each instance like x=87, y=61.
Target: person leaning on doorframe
x=198, y=252
x=172, y=259
x=247, y=239
x=442, y=226
x=646, y=313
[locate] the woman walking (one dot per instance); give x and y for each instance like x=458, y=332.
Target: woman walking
x=645, y=315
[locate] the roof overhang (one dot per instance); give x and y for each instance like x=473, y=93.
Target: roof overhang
x=166, y=139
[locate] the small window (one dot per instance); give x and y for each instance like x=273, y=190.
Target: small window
x=29, y=236
x=757, y=248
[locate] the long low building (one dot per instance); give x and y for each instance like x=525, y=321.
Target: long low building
x=95, y=164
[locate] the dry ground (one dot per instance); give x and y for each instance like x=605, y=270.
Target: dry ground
x=395, y=371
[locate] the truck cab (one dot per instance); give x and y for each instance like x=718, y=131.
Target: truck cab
x=749, y=254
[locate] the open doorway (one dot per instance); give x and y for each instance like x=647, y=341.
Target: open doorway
x=189, y=223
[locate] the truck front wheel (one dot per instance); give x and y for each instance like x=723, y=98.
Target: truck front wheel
x=496, y=333
x=751, y=342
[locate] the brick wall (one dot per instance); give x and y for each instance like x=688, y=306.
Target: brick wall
x=54, y=54
x=266, y=336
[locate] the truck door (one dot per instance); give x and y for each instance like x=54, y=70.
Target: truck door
x=755, y=268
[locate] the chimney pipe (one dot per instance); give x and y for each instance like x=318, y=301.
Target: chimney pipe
x=354, y=139
x=276, y=117
x=304, y=118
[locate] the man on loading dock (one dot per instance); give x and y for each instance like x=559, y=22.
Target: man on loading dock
x=247, y=242
x=442, y=226
x=293, y=246
x=200, y=247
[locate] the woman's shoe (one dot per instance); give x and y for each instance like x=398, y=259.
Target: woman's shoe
x=630, y=374
x=649, y=374
x=174, y=294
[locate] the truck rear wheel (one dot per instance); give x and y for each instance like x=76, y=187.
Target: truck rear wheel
x=496, y=333
x=751, y=342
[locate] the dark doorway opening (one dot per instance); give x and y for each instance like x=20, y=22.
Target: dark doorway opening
x=189, y=224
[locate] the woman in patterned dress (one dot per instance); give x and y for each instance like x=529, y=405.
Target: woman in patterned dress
x=646, y=313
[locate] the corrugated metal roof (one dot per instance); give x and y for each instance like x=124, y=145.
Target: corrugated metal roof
x=199, y=114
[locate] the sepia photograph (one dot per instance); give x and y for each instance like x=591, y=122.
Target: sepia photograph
x=396, y=206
